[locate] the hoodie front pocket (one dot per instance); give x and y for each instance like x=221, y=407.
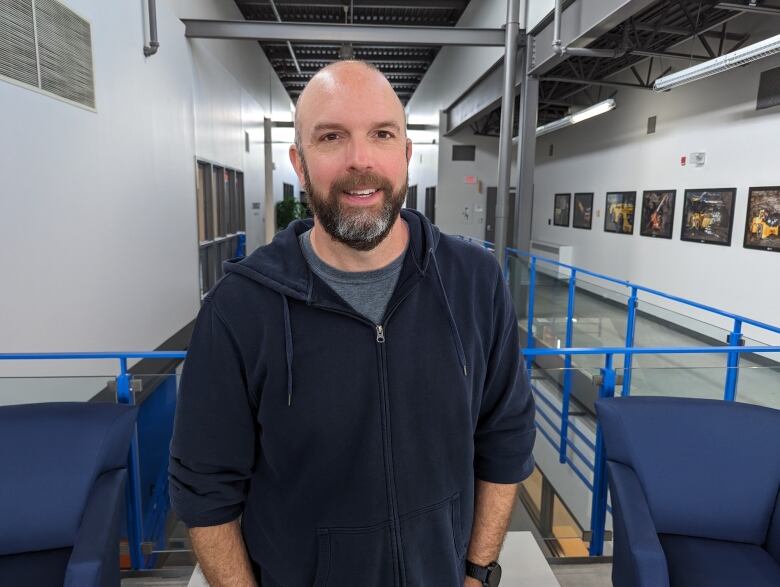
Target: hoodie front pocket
x=354, y=556
x=433, y=545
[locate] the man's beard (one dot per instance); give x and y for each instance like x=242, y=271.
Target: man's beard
x=359, y=227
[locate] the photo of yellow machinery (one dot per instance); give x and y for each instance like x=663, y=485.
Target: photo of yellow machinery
x=708, y=216
x=762, y=224
x=619, y=212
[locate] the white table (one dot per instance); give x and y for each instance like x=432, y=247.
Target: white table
x=522, y=562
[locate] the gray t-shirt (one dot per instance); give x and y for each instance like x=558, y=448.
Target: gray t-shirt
x=368, y=292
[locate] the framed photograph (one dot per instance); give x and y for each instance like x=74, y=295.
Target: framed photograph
x=708, y=216
x=561, y=212
x=762, y=226
x=583, y=211
x=657, y=213
x=619, y=212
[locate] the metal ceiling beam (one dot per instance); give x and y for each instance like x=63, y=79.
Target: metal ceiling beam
x=670, y=30
x=481, y=97
x=687, y=33
x=422, y=5
x=581, y=23
x=389, y=63
x=341, y=33
x=591, y=82
x=671, y=55
x=760, y=9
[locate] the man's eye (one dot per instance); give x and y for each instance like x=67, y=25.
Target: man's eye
x=384, y=134
x=332, y=136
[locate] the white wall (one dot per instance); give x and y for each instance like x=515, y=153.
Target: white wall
x=98, y=229
x=613, y=153
x=461, y=206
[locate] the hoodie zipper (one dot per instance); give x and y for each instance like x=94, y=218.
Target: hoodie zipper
x=395, y=525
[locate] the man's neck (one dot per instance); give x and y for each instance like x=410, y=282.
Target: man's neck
x=345, y=258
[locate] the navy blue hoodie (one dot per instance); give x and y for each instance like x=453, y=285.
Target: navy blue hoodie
x=351, y=448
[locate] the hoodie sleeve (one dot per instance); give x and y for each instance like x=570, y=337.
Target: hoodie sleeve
x=505, y=433
x=212, y=449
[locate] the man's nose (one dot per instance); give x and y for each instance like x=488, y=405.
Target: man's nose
x=359, y=155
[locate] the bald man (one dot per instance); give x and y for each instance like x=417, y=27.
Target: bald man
x=353, y=410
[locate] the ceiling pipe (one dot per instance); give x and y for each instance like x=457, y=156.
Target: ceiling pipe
x=559, y=49
x=154, y=44
x=289, y=44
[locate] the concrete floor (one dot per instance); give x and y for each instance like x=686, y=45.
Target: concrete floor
x=585, y=575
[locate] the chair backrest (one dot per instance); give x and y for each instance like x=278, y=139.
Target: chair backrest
x=50, y=456
x=708, y=468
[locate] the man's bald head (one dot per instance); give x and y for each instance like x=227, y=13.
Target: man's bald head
x=339, y=81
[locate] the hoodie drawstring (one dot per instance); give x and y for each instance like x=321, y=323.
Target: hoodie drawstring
x=453, y=326
x=288, y=347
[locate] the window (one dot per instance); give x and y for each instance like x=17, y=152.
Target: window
x=221, y=218
x=288, y=192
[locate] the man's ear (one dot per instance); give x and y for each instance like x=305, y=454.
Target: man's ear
x=408, y=150
x=295, y=159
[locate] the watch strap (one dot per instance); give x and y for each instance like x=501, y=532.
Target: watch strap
x=478, y=572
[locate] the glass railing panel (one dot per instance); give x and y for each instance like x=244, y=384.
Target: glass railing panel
x=599, y=321
x=758, y=377
x=677, y=381
x=53, y=388
x=518, y=286
x=550, y=305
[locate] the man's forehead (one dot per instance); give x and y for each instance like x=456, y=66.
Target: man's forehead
x=348, y=94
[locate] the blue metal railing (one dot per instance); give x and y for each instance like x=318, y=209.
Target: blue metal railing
x=124, y=395
x=608, y=378
x=735, y=338
x=607, y=385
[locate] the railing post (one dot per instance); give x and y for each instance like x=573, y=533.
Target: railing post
x=567, y=368
x=133, y=508
x=598, y=515
x=732, y=362
x=628, y=360
x=506, y=264
x=530, y=343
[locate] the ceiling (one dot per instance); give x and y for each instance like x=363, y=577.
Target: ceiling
x=404, y=67
x=649, y=43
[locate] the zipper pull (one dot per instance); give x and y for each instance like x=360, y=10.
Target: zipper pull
x=380, y=333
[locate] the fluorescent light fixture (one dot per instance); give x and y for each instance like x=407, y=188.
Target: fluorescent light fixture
x=736, y=58
x=584, y=114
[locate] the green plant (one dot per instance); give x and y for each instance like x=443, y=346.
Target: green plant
x=287, y=211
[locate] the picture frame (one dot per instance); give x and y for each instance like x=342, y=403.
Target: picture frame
x=619, y=212
x=562, y=209
x=708, y=216
x=657, y=213
x=582, y=210
x=762, y=221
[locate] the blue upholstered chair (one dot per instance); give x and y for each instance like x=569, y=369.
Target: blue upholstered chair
x=695, y=487
x=62, y=481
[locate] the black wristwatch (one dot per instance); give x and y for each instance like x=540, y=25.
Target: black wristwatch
x=489, y=575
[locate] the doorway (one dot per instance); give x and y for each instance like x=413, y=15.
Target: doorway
x=490, y=216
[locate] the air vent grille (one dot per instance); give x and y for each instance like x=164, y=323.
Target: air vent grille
x=18, y=60
x=46, y=45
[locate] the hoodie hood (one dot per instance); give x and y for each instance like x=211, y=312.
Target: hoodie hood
x=282, y=267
